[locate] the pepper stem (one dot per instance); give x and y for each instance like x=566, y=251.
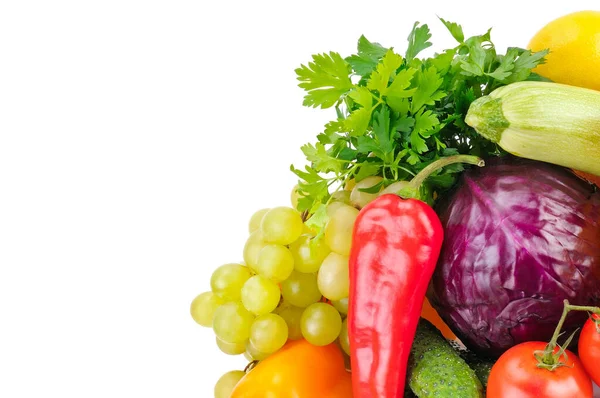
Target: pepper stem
x=412, y=189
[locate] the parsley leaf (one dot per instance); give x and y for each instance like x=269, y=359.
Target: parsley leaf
x=381, y=130
x=318, y=220
x=442, y=62
x=362, y=96
x=455, y=30
x=380, y=78
x=367, y=170
x=538, y=78
x=313, y=188
x=525, y=62
x=404, y=124
x=332, y=132
x=425, y=122
x=401, y=114
x=506, y=65
x=320, y=159
x=358, y=121
x=428, y=81
x=418, y=143
x=326, y=79
x=399, y=87
x=367, y=58
x=413, y=157
x=474, y=64
x=418, y=40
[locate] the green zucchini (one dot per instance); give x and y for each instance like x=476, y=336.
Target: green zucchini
x=550, y=122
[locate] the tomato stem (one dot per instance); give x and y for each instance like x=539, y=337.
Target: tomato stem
x=594, y=310
x=549, y=359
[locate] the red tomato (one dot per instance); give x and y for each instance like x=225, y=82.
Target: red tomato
x=516, y=375
x=589, y=347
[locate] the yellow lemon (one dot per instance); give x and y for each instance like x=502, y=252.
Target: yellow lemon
x=574, y=44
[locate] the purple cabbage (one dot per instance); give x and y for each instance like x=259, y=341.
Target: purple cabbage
x=520, y=237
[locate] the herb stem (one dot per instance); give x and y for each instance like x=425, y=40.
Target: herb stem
x=349, y=174
x=410, y=172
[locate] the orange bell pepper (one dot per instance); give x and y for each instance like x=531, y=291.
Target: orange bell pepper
x=298, y=370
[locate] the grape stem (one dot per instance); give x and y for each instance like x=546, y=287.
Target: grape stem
x=250, y=366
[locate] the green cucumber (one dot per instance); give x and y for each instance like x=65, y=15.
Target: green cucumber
x=436, y=370
x=481, y=366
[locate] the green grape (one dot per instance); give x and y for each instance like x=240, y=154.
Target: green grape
x=281, y=225
x=351, y=183
x=252, y=248
x=300, y=290
x=268, y=333
x=291, y=315
x=333, y=207
x=248, y=357
x=341, y=305
x=256, y=219
x=394, y=188
x=343, y=339
x=333, y=278
x=338, y=231
x=232, y=322
x=361, y=199
x=231, y=348
x=203, y=308
x=275, y=262
x=227, y=383
x=227, y=281
x=253, y=354
x=260, y=295
x=342, y=196
x=307, y=230
x=321, y=324
x=308, y=254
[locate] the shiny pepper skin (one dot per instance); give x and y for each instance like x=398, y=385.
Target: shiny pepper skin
x=298, y=370
x=395, y=247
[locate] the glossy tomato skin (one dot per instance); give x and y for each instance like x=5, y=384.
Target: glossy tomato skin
x=516, y=375
x=298, y=370
x=589, y=348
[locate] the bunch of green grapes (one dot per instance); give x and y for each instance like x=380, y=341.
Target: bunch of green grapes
x=291, y=284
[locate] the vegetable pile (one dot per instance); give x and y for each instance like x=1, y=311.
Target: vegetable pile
x=441, y=240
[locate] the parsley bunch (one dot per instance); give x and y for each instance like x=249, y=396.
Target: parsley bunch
x=396, y=114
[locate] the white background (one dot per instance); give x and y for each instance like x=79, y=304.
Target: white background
x=136, y=139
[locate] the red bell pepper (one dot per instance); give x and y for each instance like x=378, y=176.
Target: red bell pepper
x=395, y=247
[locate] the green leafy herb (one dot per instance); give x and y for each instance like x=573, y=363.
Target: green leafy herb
x=367, y=58
x=418, y=40
x=326, y=79
x=397, y=113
